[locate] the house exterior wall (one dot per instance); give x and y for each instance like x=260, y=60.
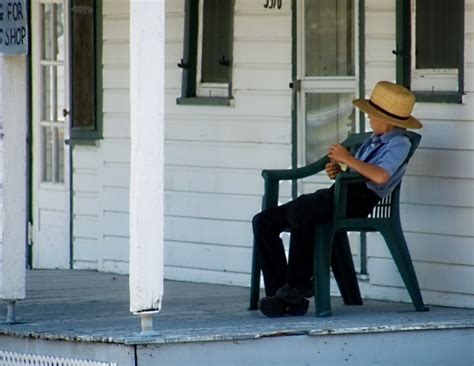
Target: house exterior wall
x=102, y=173
x=437, y=202
x=214, y=155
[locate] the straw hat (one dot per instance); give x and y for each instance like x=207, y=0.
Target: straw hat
x=391, y=103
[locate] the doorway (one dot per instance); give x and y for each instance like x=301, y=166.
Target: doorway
x=50, y=131
x=327, y=69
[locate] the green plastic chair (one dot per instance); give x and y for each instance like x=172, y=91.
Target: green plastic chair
x=332, y=246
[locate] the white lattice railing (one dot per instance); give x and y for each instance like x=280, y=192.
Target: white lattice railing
x=23, y=359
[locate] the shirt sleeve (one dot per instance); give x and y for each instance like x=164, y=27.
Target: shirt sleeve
x=394, y=155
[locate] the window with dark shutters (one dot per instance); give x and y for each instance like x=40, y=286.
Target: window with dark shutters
x=207, y=52
x=430, y=49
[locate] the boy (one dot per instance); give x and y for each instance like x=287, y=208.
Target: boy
x=380, y=159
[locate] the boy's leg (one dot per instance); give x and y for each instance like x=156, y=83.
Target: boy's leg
x=267, y=226
x=306, y=212
x=360, y=200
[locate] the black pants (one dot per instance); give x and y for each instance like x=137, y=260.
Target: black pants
x=300, y=217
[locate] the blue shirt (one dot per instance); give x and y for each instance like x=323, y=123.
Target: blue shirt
x=387, y=151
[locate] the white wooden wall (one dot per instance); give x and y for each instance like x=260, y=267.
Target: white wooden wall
x=437, y=194
x=102, y=173
x=214, y=155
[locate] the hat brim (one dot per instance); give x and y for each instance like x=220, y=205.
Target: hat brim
x=410, y=122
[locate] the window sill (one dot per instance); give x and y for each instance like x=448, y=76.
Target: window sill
x=82, y=142
x=209, y=101
x=439, y=97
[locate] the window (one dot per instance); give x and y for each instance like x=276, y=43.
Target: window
x=53, y=41
x=430, y=48
x=85, y=78
x=207, y=52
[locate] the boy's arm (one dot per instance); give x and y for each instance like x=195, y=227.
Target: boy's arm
x=370, y=171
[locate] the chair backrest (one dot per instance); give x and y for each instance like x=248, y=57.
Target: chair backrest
x=390, y=205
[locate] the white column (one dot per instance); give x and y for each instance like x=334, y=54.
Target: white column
x=147, y=48
x=13, y=222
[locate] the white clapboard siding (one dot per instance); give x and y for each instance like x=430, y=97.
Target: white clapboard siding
x=211, y=257
x=116, y=125
x=86, y=253
x=102, y=173
x=270, y=104
x=211, y=205
x=116, y=175
x=226, y=155
x=437, y=202
x=239, y=129
x=430, y=248
x=205, y=275
x=214, y=155
x=86, y=227
x=216, y=180
x=425, y=190
x=440, y=277
x=207, y=232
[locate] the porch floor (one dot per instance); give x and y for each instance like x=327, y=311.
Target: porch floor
x=93, y=307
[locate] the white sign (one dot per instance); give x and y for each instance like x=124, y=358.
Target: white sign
x=13, y=27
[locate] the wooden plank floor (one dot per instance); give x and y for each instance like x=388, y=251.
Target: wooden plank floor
x=92, y=306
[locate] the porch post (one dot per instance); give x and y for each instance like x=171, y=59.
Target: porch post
x=147, y=20
x=13, y=181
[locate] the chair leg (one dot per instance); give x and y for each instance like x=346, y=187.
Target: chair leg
x=322, y=261
x=254, y=281
x=398, y=248
x=344, y=271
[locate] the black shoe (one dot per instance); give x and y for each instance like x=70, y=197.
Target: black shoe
x=273, y=307
x=294, y=295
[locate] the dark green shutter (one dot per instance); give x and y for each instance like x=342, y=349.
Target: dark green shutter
x=188, y=63
x=403, y=42
x=439, y=34
x=83, y=65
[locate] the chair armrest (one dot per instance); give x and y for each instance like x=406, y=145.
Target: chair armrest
x=273, y=177
x=349, y=177
x=298, y=173
x=343, y=179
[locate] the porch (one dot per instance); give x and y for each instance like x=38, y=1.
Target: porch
x=83, y=315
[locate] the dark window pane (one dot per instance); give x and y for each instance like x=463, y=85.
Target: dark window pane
x=83, y=64
x=216, y=40
x=439, y=33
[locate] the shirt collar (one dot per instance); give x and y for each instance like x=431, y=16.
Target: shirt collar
x=386, y=136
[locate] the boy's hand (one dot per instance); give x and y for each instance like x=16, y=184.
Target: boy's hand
x=339, y=153
x=332, y=169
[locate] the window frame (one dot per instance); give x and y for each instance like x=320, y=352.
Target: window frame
x=192, y=92
x=405, y=60
x=89, y=135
